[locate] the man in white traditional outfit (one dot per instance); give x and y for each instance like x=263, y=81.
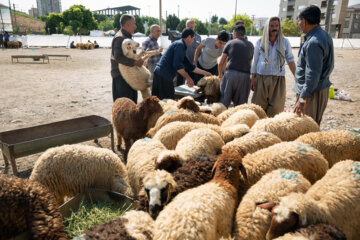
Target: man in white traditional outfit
x=268, y=68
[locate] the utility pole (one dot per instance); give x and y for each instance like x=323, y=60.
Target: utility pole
x=160, y=17
x=252, y=26
x=14, y=16
x=235, y=9
x=178, y=11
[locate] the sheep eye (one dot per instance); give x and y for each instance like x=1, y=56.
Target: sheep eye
x=147, y=191
x=164, y=192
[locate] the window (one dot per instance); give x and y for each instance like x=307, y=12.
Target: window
x=333, y=15
x=335, y=2
x=357, y=16
x=284, y=9
x=322, y=16
x=356, y=25
x=301, y=7
x=346, y=24
x=348, y=14
x=323, y=4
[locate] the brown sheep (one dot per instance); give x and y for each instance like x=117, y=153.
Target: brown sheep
x=130, y=120
x=27, y=205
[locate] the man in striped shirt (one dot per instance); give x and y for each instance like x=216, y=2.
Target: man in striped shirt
x=151, y=44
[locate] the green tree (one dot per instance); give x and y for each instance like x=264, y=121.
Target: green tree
x=139, y=24
x=80, y=19
x=172, y=21
x=222, y=21
x=248, y=23
x=117, y=20
x=200, y=27
x=53, y=23
x=100, y=17
x=214, y=19
x=107, y=24
x=290, y=28
x=182, y=24
x=149, y=21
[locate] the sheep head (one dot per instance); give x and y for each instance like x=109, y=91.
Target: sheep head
x=285, y=215
x=169, y=161
x=158, y=186
x=149, y=106
x=129, y=48
x=188, y=103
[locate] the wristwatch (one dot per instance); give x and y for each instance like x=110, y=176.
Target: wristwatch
x=302, y=101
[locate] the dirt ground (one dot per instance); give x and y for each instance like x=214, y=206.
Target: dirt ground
x=33, y=93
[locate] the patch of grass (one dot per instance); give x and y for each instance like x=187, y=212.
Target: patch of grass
x=92, y=214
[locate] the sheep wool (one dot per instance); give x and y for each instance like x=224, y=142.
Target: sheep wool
x=321, y=231
x=251, y=221
x=251, y=142
x=166, y=105
x=334, y=199
x=141, y=160
x=210, y=87
x=205, y=212
x=199, y=141
x=70, y=169
x=289, y=155
x=182, y=115
x=287, y=126
x=245, y=116
x=256, y=108
x=27, y=205
x=335, y=145
x=133, y=225
x=235, y=131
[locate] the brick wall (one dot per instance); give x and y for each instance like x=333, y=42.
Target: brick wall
x=26, y=25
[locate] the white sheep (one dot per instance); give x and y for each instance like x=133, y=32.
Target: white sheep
x=214, y=109
x=251, y=220
x=245, y=116
x=289, y=155
x=334, y=199
x=70, y=169
x=335, y=145
x=132, y=225
x=251, y=142
x=199, y=141
x=205, y=212
x=166, y=105
x=137, y=77
x=141, y=160
x=182, y=115
x=172, y=132
x=256, y=108
x=287, y=126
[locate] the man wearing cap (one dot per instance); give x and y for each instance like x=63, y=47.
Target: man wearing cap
x=268, y=68
x=314, y=66
x=235, y=84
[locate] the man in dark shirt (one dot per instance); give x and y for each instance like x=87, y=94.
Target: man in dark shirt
x=120, y=88
x=314, y=66
x=235, y=84
x=174, y=61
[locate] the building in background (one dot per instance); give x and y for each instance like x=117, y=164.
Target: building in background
x=5, y=19
x=352, y=22
x=48, y=6
x=110, y=12
x=33, y=12
x=332, y=13
x=260, y=22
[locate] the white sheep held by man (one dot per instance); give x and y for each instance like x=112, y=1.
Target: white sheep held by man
x=70, y=169
x=137, y=77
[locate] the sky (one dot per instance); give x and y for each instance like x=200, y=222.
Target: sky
x=201, y=9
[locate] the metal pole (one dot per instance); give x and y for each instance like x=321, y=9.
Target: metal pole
x=178, y=11
x=160, y=17
x=15, y=16
x=235, y=9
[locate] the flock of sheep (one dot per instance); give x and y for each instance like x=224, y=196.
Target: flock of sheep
x=200, y=173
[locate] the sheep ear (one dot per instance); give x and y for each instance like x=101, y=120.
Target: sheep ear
x=268, y=205
x=213, y=169
x=243, y=171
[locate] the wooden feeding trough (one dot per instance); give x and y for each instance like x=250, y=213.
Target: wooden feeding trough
x=25, y=141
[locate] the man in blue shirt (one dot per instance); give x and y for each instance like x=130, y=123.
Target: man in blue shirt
x=151, y=44
x=268, y=68
x=174, y=61
x=314, y=66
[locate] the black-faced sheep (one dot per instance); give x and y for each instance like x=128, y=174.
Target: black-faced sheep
x=130, y=120
x=190, y=174
x=70, y=169
x=252, y=221
x=133, y=225
x=287, y=126
x=319, y=231
x=137, y=77
x=334, y=199
x=210, y=87
x=27, y=205
x=205, y=212
x=335, y=145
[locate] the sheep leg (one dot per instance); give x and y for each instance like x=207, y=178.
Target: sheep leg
x=128, y=144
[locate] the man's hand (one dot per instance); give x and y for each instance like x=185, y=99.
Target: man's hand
x=190, y=82
x=252, y=83
x=299, y=108
x=207, y=73
x=139, y=63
